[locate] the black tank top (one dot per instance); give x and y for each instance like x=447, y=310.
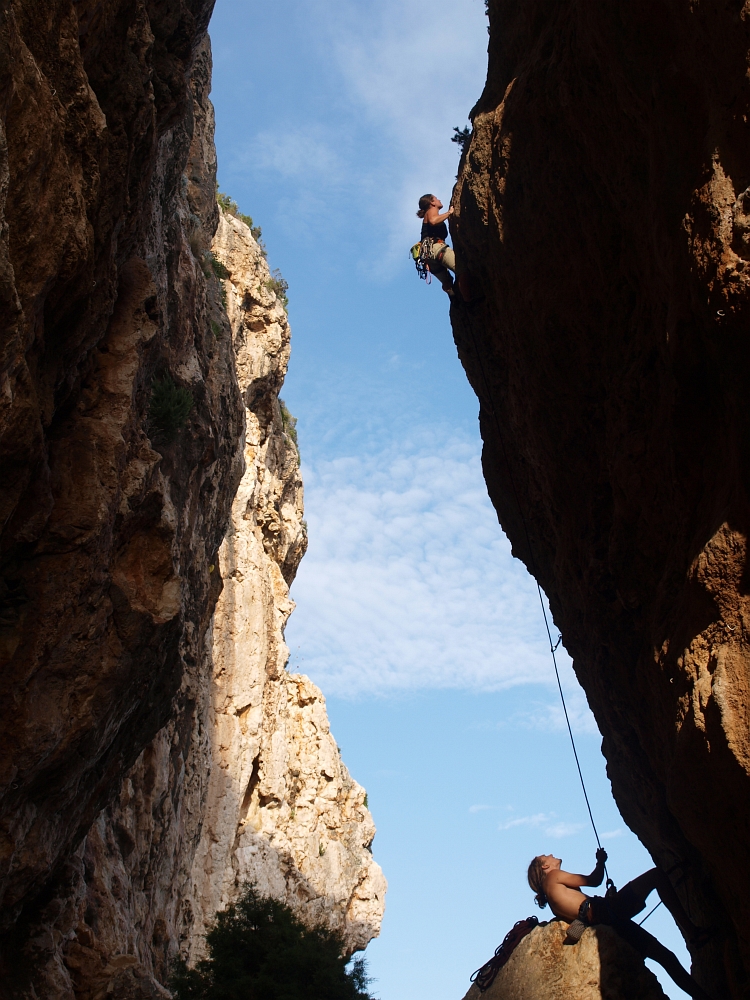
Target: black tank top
x=438, y=232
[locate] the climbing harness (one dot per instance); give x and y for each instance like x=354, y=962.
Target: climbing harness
x=422, y=255
x=485, y=977
x=552, y=646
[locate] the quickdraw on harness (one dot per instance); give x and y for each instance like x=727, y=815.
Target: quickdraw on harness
x=422, y=254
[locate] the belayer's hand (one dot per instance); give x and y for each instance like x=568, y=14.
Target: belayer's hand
x=601, y=856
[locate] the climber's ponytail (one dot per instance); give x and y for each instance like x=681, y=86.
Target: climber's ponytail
x=536, y=881
x=424, y=203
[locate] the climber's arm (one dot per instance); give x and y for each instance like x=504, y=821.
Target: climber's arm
x=436, y=218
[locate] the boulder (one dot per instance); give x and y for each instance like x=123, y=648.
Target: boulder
x=600, y=967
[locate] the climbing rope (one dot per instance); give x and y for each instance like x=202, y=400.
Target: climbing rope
x=553, y=647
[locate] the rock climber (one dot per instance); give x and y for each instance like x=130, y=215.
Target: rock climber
x=440, y=257
x=561, y=890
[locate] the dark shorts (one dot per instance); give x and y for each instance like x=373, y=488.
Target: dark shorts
x=618, y=911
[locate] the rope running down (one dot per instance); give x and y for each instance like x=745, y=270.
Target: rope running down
x=552, y=647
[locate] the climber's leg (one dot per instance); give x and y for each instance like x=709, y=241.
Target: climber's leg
x=443, y=275
x=647, y=946
x=631, y=899
x=449, y=259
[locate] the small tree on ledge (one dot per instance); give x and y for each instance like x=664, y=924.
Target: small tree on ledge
x=259, y=950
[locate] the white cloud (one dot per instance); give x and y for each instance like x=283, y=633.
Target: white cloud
x=409, y=582
x=304, y=152
x=557, y=829
x=537, y=820
x=549, y=716
x=563, y=829
x=611, y=834
x=476, y=809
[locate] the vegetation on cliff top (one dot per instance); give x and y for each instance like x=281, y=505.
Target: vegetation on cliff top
x=259, y=950
x=290, y=424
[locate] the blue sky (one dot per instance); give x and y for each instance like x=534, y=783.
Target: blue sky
x=333, y=117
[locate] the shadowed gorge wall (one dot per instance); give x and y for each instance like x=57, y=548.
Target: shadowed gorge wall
x=602, y=211
x=153, y=750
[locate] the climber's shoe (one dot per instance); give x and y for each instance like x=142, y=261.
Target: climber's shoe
x=575, y=932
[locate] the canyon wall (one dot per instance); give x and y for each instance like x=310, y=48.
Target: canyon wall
x=154, y=752
x=602, y=214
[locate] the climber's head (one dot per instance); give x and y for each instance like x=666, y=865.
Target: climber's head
x=538, y=869
x=427, y=201
x=536, y=881
x=549, y=862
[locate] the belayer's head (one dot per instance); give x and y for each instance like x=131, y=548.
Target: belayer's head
x=427, y=201
x=538, y=868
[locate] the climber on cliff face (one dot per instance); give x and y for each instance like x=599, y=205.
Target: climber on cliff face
x=561, y=890
x=440, y=258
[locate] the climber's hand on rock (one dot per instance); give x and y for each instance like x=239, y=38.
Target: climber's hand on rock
x=601, y=856
x=450, y=210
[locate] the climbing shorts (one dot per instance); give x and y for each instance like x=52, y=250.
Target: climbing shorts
x=617, y=912
x=443, y=254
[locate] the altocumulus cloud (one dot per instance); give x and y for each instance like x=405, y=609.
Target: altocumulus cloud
x=409, y=582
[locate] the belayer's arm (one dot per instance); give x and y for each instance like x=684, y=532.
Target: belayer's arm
x=595, y=878
x=570, y=880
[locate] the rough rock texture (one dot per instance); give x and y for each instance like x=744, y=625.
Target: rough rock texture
x=108, y=529
x=282, y=810
x=602, y=210
x=110, y=729
x=600, y=967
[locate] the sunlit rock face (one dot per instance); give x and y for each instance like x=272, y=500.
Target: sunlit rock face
x=600, y=967
x=282, y=810
x=153, y=754
x=601, y=208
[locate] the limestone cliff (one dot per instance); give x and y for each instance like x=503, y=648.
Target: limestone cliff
x=282, y=810
x=153, y=754
x=600, y=967
x=601, y=208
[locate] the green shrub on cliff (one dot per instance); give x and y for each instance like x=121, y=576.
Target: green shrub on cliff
x=229, y=205
x=259, y=950
x=169, y=407
x=290, y=424
x=279, y=286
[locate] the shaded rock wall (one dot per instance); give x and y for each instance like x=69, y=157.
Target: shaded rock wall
x=600, y=967
x=108, y=528
x=601, y=207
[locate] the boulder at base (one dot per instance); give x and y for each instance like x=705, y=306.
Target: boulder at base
x=600, y=967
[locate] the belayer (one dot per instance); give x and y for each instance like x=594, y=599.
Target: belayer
x=562, y=890
x=432, y=251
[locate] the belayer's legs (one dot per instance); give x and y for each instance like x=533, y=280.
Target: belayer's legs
x=640, y=887
x=647, y=946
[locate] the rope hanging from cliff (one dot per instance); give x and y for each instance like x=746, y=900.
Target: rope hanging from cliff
x=552, y=646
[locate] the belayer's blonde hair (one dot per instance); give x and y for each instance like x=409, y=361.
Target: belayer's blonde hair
x=536, y=881
x=424, y=203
